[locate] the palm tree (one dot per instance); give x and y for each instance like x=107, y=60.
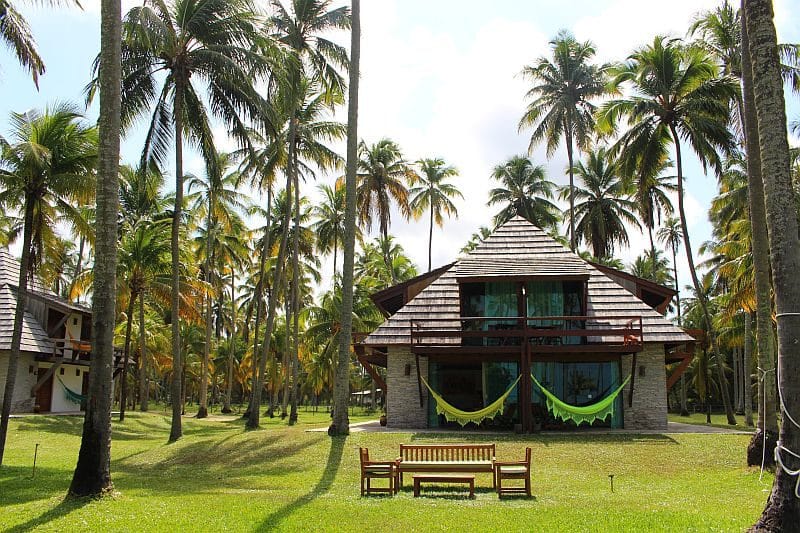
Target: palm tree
x=201, y=46
x=678, y=96
x=92, y=476
x=46, y=169
x=476, y=239
x=525, y=192
x=654, y=268
x=671, y=236
x=562, y=102
x=603, y=208
x=760, y=42
x=382, y=177
x=371, y=263
x=341, y=387
x=431, y=192
x=329, y=225
x=219, y=200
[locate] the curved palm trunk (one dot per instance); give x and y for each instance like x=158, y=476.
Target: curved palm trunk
x=144, y=384
x=92, y=475
x=286, y=363
x=226, y=406
x=202, y=410
x=765, y=340
x=16, y=333
x=684, y=410
x=747, y=387
x=295, y=390
x=254, y=419
x=652, y=252
x=723, y=383
x=123, y=392
x=176, y=429
x=782, y=512
x=341, y=386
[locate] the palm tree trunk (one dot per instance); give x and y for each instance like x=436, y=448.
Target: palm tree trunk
x=202, y=411
x=176, y=429
x=335, y=253
x=782, y=511
x=677, y=288
x=226, y=406
x=571, y=190
x=765, y=339
x=286, y=362
x=16, y=334
x=701, y=297
x=78, y=266
x=652, y=252
x=123, y=393
x=430, y=243
x=747, y=389
x=92, y=475
x=295, y=391
x=737, y=380
x=253, y=420
x=144, y=386
x=341, y=386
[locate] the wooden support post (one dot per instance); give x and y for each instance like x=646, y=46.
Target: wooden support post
x=419, y=381
x=525, y=388
x=47, y=375
x=372, y=372
x=633, y=380
x=679, y=370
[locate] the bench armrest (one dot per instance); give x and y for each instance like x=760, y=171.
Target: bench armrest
x=380, y=463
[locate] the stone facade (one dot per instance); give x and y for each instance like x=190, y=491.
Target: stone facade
x=649, y=409
x=402, y=398
x=22, y=401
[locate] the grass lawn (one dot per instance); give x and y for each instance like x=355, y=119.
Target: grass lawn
x=220, y=477
x=717, y=420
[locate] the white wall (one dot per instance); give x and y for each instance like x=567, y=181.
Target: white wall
x=59, y=402
x=23, y=401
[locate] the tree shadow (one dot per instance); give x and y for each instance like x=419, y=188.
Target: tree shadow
x=64, y=508
x=547, y=439
x=323, y=485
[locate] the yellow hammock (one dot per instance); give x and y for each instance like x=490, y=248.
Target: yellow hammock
x=587, y=413
x=452, y=414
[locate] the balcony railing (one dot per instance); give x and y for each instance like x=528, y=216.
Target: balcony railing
x=548, y=333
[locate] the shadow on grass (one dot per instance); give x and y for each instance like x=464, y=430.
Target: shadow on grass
x=64, y=508
x=323, y=485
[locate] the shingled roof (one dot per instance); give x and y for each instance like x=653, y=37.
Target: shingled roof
x=517, y=249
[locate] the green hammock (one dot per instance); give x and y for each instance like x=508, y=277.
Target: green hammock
x=588, y=413
x=71, y=395
x=452, y=414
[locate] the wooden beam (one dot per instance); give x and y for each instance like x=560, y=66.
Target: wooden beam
x=525, y=396
x=43, y=379
x=52, y=332
x=419, y=382
x=372, y=372
x=633, y=380
x=679, y=370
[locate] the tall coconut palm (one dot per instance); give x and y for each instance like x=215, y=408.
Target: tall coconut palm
x=525, y=191
x=760, y=41
x=431, y=192
x=671, y=236
x=207, y=51
x=603, y=207
x=341, y=388
x=47, y=168
x=371, y=263
x=329, y=224
x=562, y=102
x=383, y=176
x=216, y=197
x=678, y=97
x=655, y=268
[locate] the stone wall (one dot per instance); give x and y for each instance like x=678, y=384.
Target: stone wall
x=22, y=400
x=649, y=409
x=402, y=396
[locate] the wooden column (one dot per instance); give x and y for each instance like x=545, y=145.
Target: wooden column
x=525, y=386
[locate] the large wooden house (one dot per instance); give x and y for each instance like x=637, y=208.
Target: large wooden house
x=53, y=370
x=521, y=304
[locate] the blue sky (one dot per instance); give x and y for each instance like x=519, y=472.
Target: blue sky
x=440, y=78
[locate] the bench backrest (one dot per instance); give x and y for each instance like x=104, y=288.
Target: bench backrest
x=447, y=452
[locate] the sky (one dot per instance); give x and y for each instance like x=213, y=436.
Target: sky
x=441, y=78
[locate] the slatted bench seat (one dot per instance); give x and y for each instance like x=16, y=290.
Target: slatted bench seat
x=446, y=458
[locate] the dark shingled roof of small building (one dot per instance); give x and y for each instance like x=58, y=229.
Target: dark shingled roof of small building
x=520, y=249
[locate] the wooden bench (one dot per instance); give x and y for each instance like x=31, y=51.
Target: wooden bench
x=446, y=458
x=444, y=478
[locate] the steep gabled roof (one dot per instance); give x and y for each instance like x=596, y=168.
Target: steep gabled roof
x=520, y=249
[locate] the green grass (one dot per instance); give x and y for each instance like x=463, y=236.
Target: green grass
x=717, y=420
x=220, y=477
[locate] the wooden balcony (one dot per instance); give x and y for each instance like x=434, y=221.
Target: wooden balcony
x=542, y=334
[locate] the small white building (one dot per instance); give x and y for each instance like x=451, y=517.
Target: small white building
x=53, y=370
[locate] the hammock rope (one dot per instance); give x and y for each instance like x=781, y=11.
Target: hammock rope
x=453, y=414
x=589, y=413
x=71, y=395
